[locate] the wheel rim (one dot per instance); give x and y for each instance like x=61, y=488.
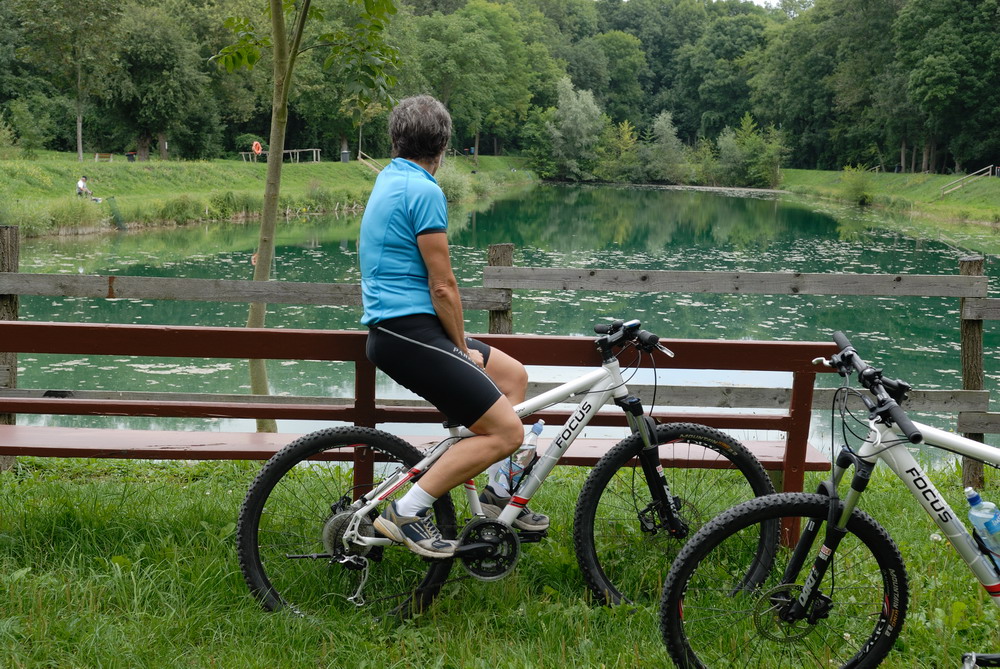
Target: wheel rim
x=302, y=562
x=632, y=552
x=725, y=622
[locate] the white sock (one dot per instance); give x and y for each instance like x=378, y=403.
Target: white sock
x=414, y=501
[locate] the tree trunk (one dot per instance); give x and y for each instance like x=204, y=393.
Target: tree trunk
x=9, y=261
x=79, y=111
x=142, y=143
x=902, y=156
x=925, y=163
x=284, y=62
x=475, y=157
x=933, y=158
x=161, y=142
x=913, y=159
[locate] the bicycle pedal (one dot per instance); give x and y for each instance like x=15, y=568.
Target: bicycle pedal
x=531, y=536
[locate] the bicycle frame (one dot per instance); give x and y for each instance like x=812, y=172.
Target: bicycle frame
x=597, y=386
x=901, y=461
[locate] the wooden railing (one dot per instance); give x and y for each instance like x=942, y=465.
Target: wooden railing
x=500, y=278
x=967, y=179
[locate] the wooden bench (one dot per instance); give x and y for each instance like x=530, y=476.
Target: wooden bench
x=105, y=157
x=791, y=457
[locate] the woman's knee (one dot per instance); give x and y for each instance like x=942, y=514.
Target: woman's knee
x=503, y=425
x=508, y=373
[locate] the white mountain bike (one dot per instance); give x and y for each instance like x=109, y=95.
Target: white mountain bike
x=306, y=541
x=837, y=596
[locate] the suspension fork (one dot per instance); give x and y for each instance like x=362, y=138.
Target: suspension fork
x=649, y=459
x=838, y=515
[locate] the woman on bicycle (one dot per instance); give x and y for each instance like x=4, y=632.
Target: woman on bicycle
x=416, y=333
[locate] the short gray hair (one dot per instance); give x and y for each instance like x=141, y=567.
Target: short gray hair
x=420, y=128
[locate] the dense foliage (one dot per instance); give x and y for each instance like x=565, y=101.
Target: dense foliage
x=694, y=91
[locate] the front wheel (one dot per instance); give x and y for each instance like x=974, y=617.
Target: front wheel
x=621, y=541
x=290, y=535
x=725, y=603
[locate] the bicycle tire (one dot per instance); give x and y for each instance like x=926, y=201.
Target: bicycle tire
x=622, y=562
x=714, y=614
x=296, y=505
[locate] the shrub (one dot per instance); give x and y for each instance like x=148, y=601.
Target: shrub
x=456, y=185
x=856, y=185
x=233, y=205
x=77, y=212
x=182, y=209
x=245, y=141
x=7, y=141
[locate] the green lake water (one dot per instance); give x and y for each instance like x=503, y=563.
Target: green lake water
x=551, y=226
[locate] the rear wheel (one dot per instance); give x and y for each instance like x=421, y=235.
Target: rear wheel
x=292, y=523
x=724, y=603
x=622, y=545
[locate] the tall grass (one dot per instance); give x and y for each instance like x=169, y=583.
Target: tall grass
x=127, y=564
x=39, y=195
x=911, y=193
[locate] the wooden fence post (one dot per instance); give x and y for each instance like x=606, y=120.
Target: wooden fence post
x=973, y=375
x=502, y=322
x=9, y=259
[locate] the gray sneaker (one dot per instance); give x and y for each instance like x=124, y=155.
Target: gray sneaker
x=419, y=533
x=527, y=520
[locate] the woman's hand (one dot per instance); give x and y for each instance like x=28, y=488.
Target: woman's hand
x=477, y=357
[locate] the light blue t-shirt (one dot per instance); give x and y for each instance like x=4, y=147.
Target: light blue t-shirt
x=405, y=202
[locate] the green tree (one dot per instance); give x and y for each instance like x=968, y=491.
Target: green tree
x=31, y=124
x=156, y=81
x=951, y=73
x=505, y=107
x=791, y=87
x=618, y=155
x=575, y=129
x=748, y=157
x=712, y=87
x=358, y=50
x=662, y=27
x=666, y=156
x=69, y=38
x=625, y=97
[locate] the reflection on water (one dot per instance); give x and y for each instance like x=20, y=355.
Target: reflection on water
x=551, y=226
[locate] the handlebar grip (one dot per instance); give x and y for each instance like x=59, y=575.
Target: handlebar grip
x=647, y=339
x=904, y=423
x=602, y=328
x=841, y=340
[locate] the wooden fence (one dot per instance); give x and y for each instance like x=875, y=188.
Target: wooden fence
x=500, y=278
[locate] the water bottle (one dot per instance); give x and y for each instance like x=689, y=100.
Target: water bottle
x=986, y=519
x=507, y=473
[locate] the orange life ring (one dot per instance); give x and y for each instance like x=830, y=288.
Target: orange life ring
x=256, y=148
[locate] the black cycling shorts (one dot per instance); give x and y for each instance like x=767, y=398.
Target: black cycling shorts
x=417, y=353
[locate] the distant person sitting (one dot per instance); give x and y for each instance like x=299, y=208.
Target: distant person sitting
x=81, y=187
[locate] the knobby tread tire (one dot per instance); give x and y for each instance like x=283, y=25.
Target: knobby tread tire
x=304, y=450
x=838, y=639
x=619, y=562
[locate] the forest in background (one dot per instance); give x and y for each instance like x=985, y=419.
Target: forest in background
x=688, y=91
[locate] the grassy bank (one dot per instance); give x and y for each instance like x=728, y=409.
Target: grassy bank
x=912, y=193
x=129, y=564
x=40, y=195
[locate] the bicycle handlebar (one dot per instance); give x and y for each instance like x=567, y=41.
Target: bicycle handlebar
x=620, y=333
x=848, y=361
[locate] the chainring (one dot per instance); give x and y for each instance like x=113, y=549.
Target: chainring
x=498, y=553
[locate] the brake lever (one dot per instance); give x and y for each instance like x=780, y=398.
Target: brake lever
x=664, y=349
x=822, y=361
